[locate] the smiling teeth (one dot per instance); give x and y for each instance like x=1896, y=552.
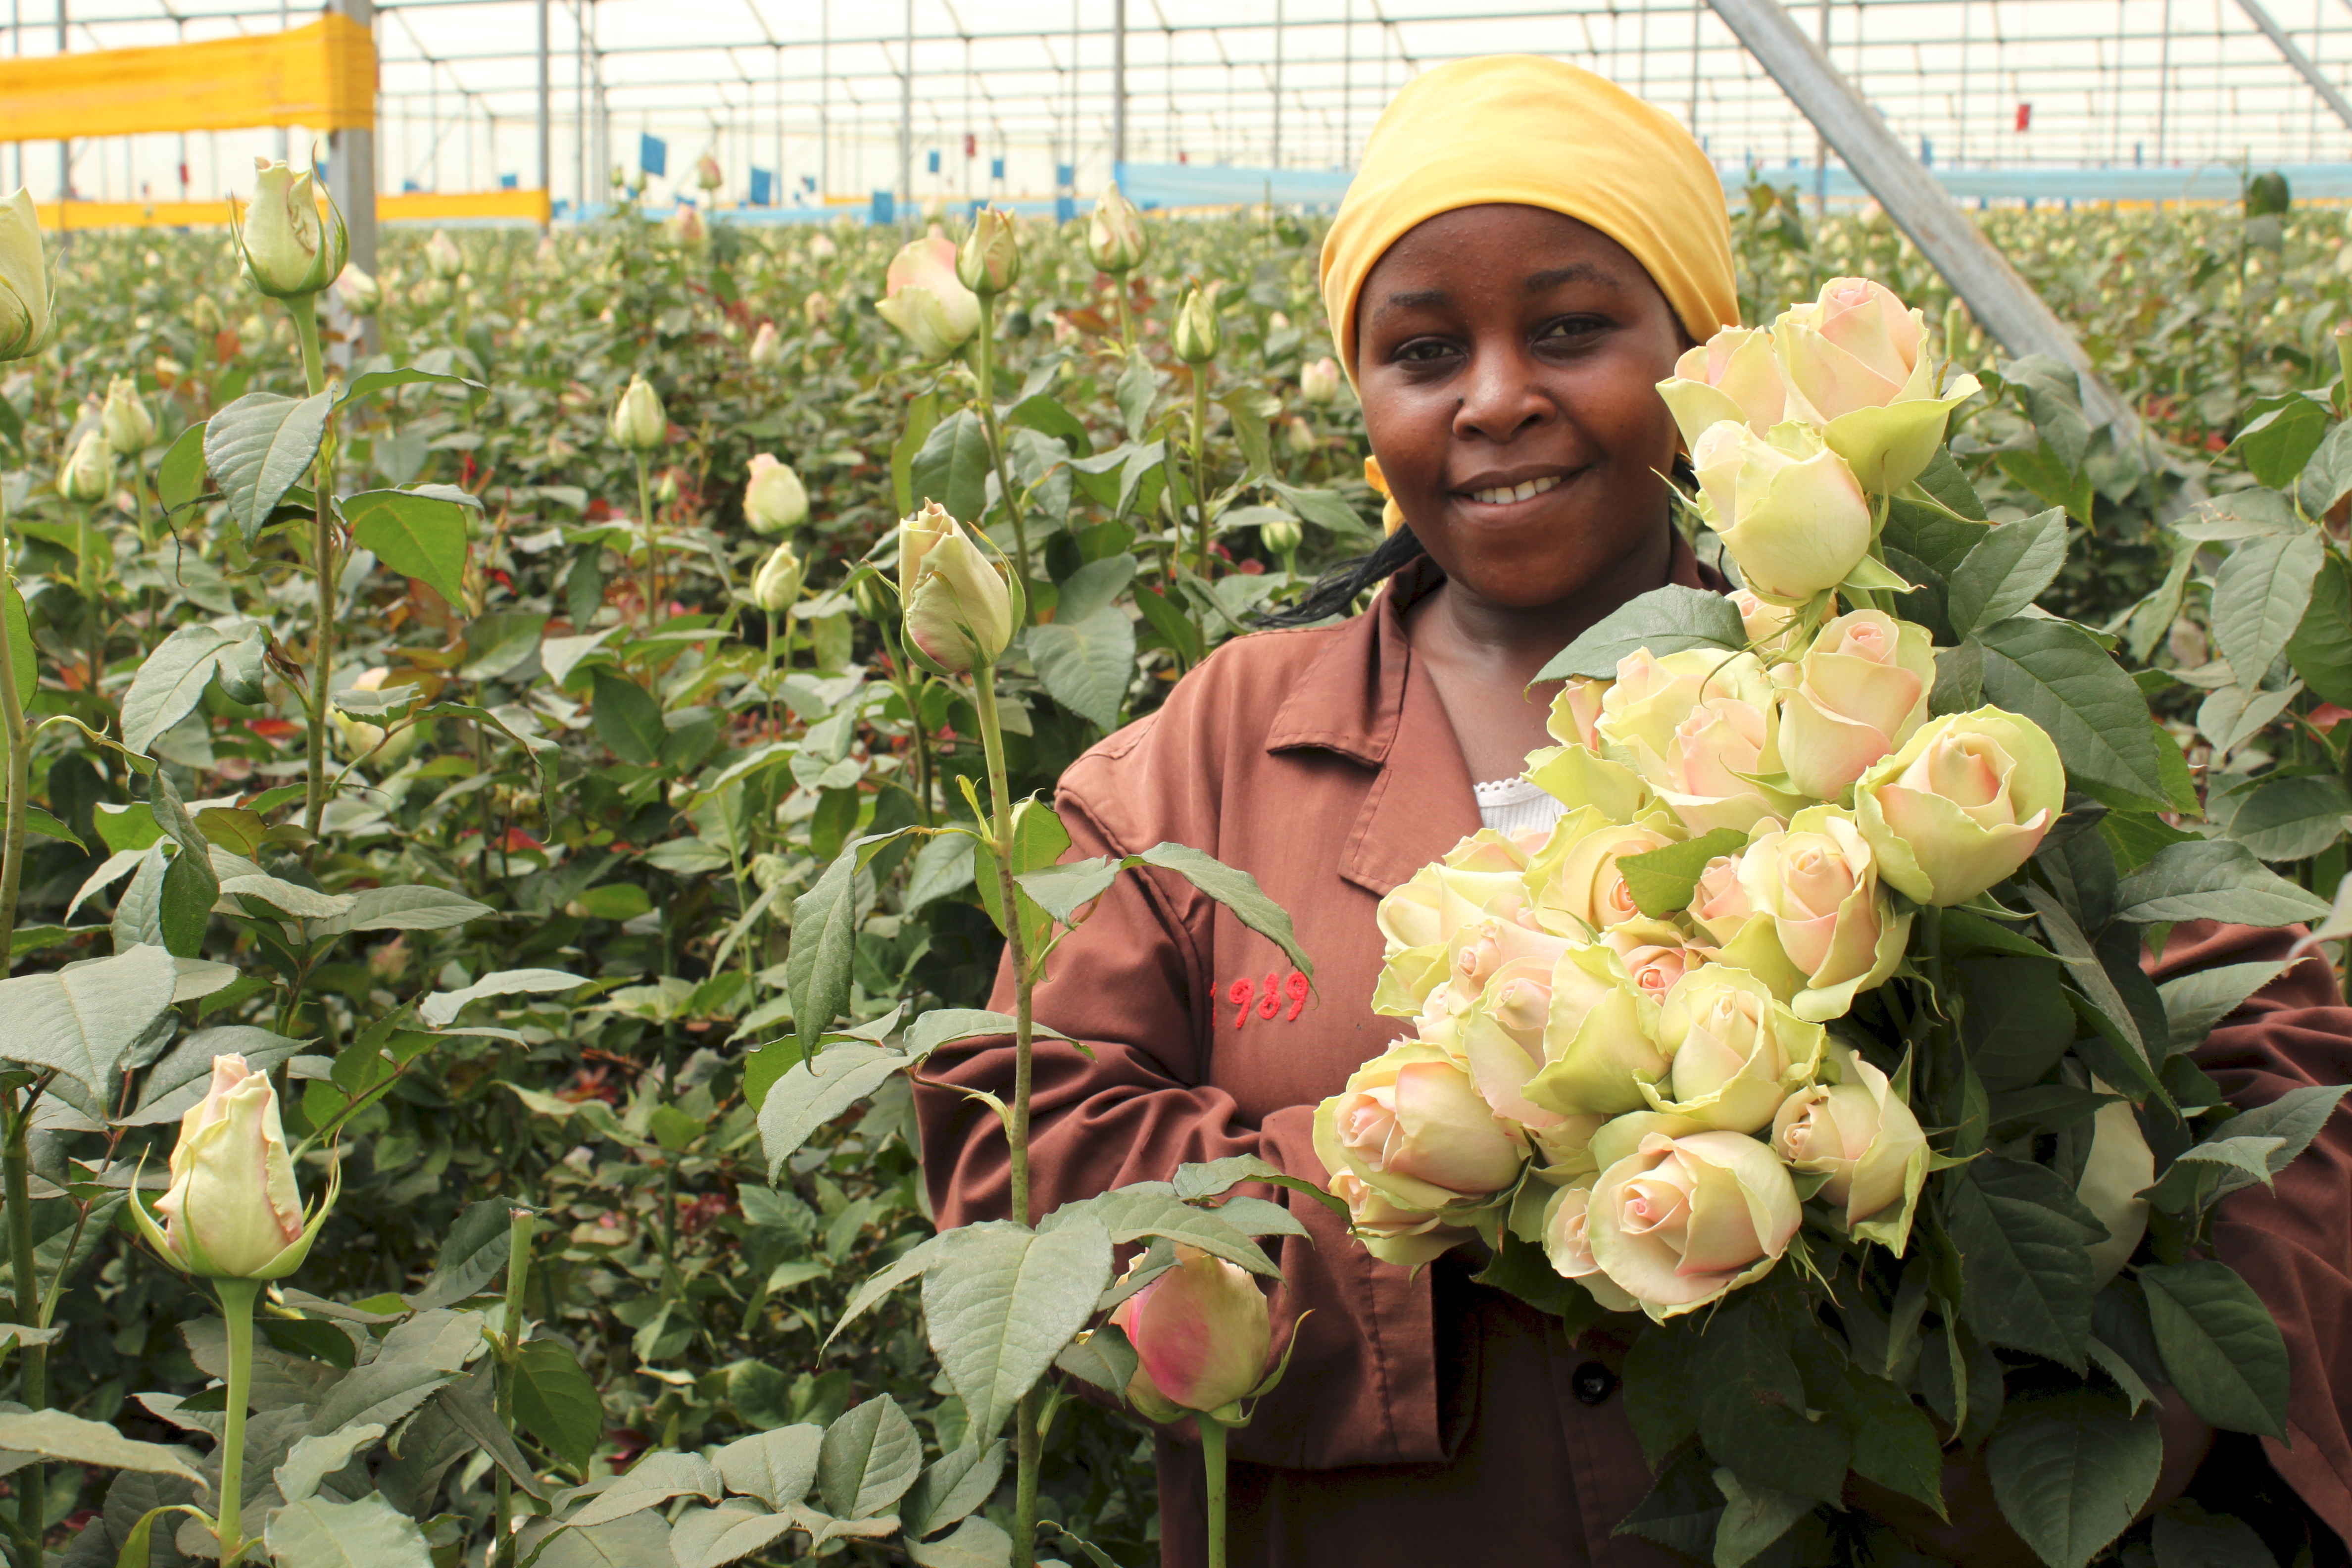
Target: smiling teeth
x=1516, y=492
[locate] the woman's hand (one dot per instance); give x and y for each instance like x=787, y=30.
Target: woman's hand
x=1977, y=1536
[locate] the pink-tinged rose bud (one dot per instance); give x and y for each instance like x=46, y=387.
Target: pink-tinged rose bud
x=1861, y=691
x=1818, y=882
x=925, y=299
x=1767, y=624
x=1573, y=883
x=1862, y=1136
x=1200, y=1333
x=767, y=349
x=1790, y=509
x=1858, y=364
x=1732, y=375
x=1410, y=1126
x=1719, y=905
x=1318, y=384
x=706, y=173
x=1964, y=804
x=1684, y=1220
x=959, y=611
x=1736, y=1052
x=773, y=497
x=233, y=1211
x=1567, y=1243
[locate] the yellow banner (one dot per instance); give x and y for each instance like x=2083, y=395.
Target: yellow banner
x=322, y=76
x=416, y=207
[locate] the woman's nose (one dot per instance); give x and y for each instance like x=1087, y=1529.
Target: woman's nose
x=1501, y=396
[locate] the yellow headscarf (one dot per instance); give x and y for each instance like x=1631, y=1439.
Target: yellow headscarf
x=1537, y=132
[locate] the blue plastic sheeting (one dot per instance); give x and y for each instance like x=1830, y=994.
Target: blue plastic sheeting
x=1149, y=186
x=1214, y=184
x=2205, y=182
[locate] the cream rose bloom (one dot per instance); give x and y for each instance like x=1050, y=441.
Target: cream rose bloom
x=1861, y=691
x=1406, y=1238
x=1732, y=375
x=1567, y=1243
x=1735, y=1051
x=1698, y=727
x=1964, y=804
x=1863, y=1136
x=1484, y=874
x=1817, y=881
x=1411, y=1127
x=1683, y=1220
x=1856, y=361
x=1788, y=508
x=1574, y=887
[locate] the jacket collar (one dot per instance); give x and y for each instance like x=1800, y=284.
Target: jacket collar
x=1364, y=693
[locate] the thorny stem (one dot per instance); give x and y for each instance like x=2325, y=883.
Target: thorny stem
x=236, y=1299
x=1201, y=468
x=1028, y=1445
x=304, y=309
x=1213, y=1462
x=645, y=519
x=984, y=352
x=19, y=745
x=519, y=1233
x=32, y=1361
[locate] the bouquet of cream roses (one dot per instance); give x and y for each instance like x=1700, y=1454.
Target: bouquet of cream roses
x=1820, y=1007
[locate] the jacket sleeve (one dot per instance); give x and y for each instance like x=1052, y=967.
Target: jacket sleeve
x=1136, y=1104
x=2292, y=1243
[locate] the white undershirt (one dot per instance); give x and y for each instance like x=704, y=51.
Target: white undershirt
x=1515, y=805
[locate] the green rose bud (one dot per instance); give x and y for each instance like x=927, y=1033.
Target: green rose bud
x=363, y=295
x=24, y=280
x=1115, y=238
x=288, y=249
x=774, y=499
x=129, y=428
x=88, y=473
x=959, y=611
x=442, y=257
x=639, y=423
x=1787, y=508
x=1197, y=336
x=989, y=262
x=233, y=1211
x=777, y=584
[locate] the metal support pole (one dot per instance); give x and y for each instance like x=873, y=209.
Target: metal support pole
x=1919, y=205
x=2260, y=16
x=2163, y=85
x=546, y=141
x=65, y=148
x=351, y=181
x=1118, y=87
x=1277, y=84
x=582, y=194
x=906, y=124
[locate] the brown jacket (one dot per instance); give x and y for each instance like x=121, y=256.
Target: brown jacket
x=1321, y=762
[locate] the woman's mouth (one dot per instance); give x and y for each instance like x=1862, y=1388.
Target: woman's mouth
x=1503, y=495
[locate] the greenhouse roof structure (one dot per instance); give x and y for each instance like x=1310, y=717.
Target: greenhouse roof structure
x=810, y=103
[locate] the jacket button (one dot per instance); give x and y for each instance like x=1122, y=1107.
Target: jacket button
x=1593, y=1382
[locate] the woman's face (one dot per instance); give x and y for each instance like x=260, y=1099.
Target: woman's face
x=1509, y=358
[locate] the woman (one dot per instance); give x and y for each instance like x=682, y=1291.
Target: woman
x=1524, y=254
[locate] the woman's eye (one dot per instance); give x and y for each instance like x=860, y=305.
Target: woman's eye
x=1569, y=327
x=1422, y=351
